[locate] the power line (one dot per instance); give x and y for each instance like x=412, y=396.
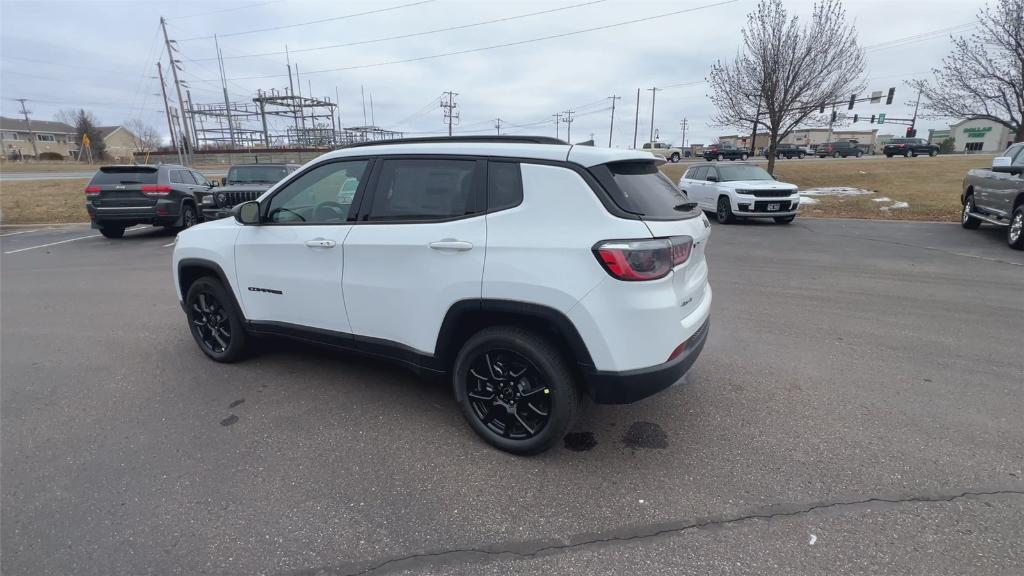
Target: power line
x=917, y=37
x=415, y=34
x=504, y=45
x=299, y=24
x=246, y=7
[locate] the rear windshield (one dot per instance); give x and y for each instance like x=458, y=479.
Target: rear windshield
x=257, y=174
x=127, y=175
x=640, y=188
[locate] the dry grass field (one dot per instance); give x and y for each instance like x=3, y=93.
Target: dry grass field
x=43, y=201
x=930, y=185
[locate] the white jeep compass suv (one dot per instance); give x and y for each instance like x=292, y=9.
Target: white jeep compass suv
x=740, y=191
x=529, y=271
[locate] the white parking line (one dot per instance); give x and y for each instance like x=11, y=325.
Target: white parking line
x=51, y=244
x=65, y=241
x=22, y=232
x=170, y=244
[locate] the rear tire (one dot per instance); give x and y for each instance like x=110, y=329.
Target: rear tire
x=515, y=389
x=674, y=158
x=112, y=231
x=909, y=154
x=188, y=217
x=784, y=219
x=214, y=321
x=933, y=153
x=836, y=155
x=724, y=212
x=721, y=157
x=743, y=157
x=1015, y=233
x=800, y=156
x=966, y=220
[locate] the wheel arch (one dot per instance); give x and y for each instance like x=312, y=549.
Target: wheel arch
x=1018, y=201
x=192, y=269
x=467, y=317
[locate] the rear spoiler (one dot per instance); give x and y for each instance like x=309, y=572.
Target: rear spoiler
x=127, y=169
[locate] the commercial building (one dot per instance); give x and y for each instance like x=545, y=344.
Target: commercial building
x=120, y=142
x=809, y=138
x=980, y=136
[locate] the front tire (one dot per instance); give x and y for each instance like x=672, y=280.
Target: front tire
x=966, y=219
x=515, y=389
x=859, y=154
x=1015, y=234
x=724, y=212
x=784, y=219
x=933, y=153
x=109, y=231
x=214, y=320
x=800, y=156
x=835, y=155
x=909, y=154
x=743, y=157
x=721, y=157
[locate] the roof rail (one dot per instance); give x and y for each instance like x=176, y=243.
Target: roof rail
x=478, y=139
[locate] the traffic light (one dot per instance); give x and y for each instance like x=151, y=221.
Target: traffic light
x=853, y=98
x=855, y=117
x=833, y=115
x=892, y=92
x=872, y=118
x=911, y=132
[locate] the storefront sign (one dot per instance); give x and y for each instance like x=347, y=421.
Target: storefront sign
x=977, y=132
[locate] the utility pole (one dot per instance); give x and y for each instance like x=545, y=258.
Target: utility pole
x=497, y=124
x=558, y=118
x=177, y=85
x=192, y=117
x=753, y=135
x=337, y=110
x=302, y=109
x=291, y=89
x=913, y=121
x=568, y=125
x=167, y=109
x=31, y=135
x=611, y=125
x=654, y=91
x=636, y=120
x=682, y=144
x=451, y=112
x=224, y=87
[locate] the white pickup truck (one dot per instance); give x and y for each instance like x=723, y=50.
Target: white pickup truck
x=666, y=151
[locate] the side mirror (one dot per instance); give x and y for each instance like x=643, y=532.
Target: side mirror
x=247, y=212
x=214, y=184
x=223, y=180
x=1002, y=164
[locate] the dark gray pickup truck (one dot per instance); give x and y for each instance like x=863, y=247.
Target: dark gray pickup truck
x=996, y=195
x=243, y=183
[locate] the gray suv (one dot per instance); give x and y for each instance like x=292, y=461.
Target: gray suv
x=118, y=197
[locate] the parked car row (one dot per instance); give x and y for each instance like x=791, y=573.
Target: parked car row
x=120, y=196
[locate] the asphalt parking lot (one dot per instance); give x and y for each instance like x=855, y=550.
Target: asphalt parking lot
x=858, y=409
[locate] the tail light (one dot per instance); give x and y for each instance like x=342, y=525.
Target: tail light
x=90, y=190
x=155, y=190
x=636, y=260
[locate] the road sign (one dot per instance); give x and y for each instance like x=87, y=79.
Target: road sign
x=881, y=118
x=876, y=97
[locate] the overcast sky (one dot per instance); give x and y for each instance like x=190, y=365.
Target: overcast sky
x=101, y=56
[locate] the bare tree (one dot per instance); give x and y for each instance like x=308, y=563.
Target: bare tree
x=785, y=70
x=983, y=77
x=145, y=137
x=85, y=123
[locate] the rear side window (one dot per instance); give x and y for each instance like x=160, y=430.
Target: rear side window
x=114, y=176
x=424, y=189
x=640, y=188
x=176, y=177
x=504, y=185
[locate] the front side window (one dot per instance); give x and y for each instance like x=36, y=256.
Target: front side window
x=322, y=195
x=200, y=179
x=423, y=189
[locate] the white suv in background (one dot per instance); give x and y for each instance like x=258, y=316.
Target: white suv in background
x=529, y=271
x=734, y=191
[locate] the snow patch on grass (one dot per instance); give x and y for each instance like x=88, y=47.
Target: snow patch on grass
x=835, y=191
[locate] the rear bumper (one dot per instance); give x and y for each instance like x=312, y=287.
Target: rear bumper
x=633, y=385
x=164, y=212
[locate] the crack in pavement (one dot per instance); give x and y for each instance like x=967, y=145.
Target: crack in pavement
x=524, y=550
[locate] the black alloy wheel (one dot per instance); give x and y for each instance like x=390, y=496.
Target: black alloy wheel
x=724, y=212
x=515, y=389
x=508, y=394
x=213, y=320
x=188, y=216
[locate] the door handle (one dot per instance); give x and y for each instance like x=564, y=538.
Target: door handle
x=451, y=244
x=321, y=243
